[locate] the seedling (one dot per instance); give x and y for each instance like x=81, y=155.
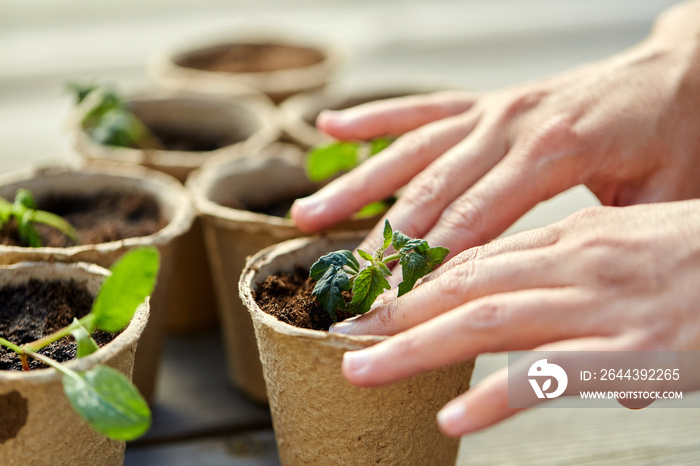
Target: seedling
x=340, y=271
x=329, y=160
x=102, y=396
x=109, y=121
x=25, y=213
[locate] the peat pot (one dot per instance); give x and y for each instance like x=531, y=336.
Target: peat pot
x=321, y=419
x=38, y=424
x=236, y=199
x=92, y=179
x=275, y=65
x=193, y=128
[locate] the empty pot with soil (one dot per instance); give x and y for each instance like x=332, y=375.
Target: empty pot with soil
x=299, y=112
x=114, y=208
x=243, y=203
x=39, y=426
x=277, y=66
x=192, y=129
x=319, y=417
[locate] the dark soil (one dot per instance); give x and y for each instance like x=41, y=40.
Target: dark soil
x=105, y=217
x=288, y=297
x=190, y=141
x=251, y=58
x=277, y=208
x=35, y=309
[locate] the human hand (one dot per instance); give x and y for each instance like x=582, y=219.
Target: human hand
x=473, y=163
x=604, y=279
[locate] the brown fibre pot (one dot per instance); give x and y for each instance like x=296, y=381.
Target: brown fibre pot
x=299, y=113
x=248, y=121
x=38, y=424
x=275, y=65
x=230, y=195
x=321, y=419
x=174, y=205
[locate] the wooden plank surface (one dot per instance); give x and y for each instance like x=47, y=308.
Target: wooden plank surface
x=478, y=44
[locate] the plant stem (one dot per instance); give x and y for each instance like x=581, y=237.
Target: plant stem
x=393, y=257
x=56, y=365
x=48, y=339
x=12, y=346
x=23, y=360
x=18, y=350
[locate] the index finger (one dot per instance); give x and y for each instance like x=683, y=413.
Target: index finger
x=393, y=117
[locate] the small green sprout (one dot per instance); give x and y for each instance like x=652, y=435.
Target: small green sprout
x=326, y=161
x=25, y=213
x=109, y=121
x=340, y=271
x=103, y=396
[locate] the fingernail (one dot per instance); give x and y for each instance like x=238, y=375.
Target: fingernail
x=326, y=115
x=356, y=362
x=343, y=326
x=452, y=417
x=310, y=205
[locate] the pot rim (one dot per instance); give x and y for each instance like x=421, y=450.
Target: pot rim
x=261, y=261
x=126, y=338
x=253, y=101
x=170, y=188
x=200, y=181
x=164, y=69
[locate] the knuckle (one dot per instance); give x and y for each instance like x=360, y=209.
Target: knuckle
x=387, y=317
x=412, y=143
x=487, y=314
x=519, y=102
x=614, y=263
x=466, y=216
x=453, y=283
x=428, y=190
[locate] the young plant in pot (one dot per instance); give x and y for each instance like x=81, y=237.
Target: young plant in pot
x=112, y=209
x=174, y=133
x=243, y=202
x=293, y=297
x=72, y=328
x=275, y=65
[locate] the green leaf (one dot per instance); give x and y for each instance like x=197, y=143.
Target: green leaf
x=337, y=258
x=5, y=211
x=86, y=345
x=52, y=220
x=27, y=234
x=108, y=402
x=388, y=234
x=329, y=289
x=379, y=144
x=413, y=267
x=365, y=255
x=329, y=160
x=372, y=209
x=405, y=243
x=369, y=284
x=81, y=90
x=419, y=263
x=133, y=279
x=435, y=256
x=25, y=198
